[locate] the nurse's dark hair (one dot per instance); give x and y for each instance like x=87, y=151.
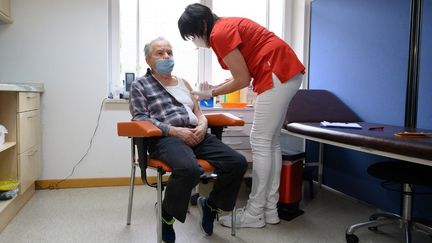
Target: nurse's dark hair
x=194, y=20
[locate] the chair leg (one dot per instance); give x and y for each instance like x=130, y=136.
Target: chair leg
x=159, y=204
x=380, y=219
x=194, y=195
x=376, y=216
x=131, y=183
x=311, y=189
x=233, y=221
x=422, y=228
x=374, y=223
x=407, y=229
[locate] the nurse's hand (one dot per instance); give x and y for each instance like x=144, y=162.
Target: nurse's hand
x=203, y=94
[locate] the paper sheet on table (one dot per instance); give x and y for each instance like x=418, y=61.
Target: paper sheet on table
x=340, y=124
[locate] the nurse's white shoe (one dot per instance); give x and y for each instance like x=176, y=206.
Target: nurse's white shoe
x=271, y=216
x=243, y=220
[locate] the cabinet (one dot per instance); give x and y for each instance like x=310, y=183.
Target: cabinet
x=20, y=155
x=5, y=13
x=28, y=132
x=237, y=137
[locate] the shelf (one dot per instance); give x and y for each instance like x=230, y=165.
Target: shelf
x=4, y=204
x=6, y=146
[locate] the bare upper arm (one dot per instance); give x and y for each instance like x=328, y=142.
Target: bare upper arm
x=196, y=109
x=238, y=68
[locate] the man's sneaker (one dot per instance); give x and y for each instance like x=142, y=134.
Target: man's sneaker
x=271, y=216
x=207, y=214
x=243, y=220
x=168, y=234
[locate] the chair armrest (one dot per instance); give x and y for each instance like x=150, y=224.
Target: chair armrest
x=138, y=129
x=223, y=119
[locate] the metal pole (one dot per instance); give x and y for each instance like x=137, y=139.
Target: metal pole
x=132, y=182
x=413, y=64
x=320, y=165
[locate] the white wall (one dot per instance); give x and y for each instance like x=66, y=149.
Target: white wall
x=64, y=44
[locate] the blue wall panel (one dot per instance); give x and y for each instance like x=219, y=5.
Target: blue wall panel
x=359, y=51
x=424, y=117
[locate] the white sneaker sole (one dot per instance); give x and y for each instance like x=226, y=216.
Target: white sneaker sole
x=272, y=221
x=227, y=223
x=271, y=218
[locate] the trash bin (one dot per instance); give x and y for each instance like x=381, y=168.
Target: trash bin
x=290, y=188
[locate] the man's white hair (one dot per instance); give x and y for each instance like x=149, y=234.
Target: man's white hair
x=147, y=47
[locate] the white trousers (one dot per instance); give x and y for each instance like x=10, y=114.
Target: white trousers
x=270, y=110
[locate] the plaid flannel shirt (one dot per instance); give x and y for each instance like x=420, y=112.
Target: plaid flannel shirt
x=150, y=101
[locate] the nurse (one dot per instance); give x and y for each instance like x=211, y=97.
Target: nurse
x=251, y=53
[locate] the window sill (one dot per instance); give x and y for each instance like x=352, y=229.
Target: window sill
x=117, y=101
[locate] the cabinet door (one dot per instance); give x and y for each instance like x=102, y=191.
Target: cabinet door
x=28, y=130
x=5, y=7
x=29, y=167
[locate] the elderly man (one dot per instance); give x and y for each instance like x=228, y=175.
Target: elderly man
x=165, y=100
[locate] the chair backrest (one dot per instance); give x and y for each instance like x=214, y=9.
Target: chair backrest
x=310, y=105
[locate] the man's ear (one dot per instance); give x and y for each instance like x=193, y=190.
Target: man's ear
x=148, y=61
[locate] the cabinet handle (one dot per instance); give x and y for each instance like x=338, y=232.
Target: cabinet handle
x=33, y=152
x=231, y=143
x=29, y=117
x=234, y=129
x=31, y=96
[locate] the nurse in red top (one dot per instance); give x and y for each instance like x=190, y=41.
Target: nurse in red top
x=251, y=53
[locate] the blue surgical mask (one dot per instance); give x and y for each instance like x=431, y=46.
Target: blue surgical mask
x=164, y=66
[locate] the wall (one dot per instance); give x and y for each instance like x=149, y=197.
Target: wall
x=359, y=51
x=63, y=44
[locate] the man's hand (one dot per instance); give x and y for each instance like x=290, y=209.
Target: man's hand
x=202, y=95
x=187, y=135
x=200, y=131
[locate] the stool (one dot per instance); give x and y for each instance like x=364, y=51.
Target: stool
x=408, y=175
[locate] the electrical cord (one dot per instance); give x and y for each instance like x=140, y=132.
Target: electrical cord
x=55, y=185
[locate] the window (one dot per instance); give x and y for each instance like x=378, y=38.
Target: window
x=135, y=22
x=142, y=21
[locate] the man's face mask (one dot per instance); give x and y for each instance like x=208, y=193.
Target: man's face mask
x=164, y=66
x=199, y=42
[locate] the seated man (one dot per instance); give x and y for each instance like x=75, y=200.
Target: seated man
x=165, y=100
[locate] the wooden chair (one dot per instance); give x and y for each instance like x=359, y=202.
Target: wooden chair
x=139, y=132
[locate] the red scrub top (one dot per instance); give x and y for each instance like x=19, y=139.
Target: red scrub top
x=263, y=51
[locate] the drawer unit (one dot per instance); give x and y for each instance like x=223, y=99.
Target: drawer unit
x=5, y=12
x=29, y=166
x=237, y=137
x=28, y=101
x=243, y=131
x=237, y=142
x=28, y=130
x=5, y=7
